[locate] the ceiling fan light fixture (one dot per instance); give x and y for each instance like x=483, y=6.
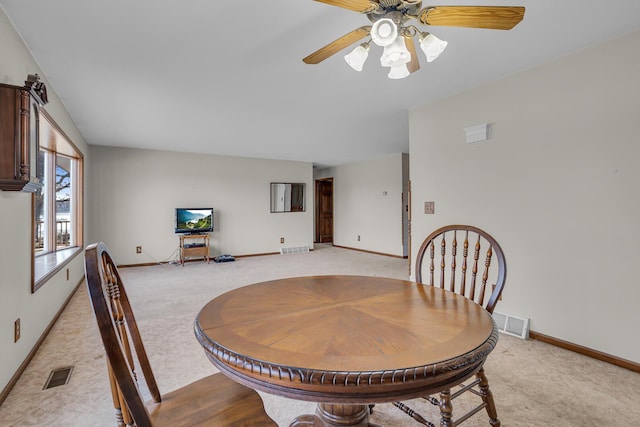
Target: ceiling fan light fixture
x=357, y=56
x=384, y=32
x=398, y=71
x=394, y=19
x=395, y=54
x=431, y=46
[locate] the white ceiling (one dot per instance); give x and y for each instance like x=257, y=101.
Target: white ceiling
x=228, y=78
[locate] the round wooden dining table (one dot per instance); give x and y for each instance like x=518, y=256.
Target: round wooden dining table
x=345, y=341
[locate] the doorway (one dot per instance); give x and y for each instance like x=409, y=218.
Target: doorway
x=324, y=211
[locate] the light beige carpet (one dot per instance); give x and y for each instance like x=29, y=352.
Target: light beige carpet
x=534, y=384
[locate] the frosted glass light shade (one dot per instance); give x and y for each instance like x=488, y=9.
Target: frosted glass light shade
x=357, y=57
x=395, y=54
x=432, y=46
x=384, y=32
x=399, y=71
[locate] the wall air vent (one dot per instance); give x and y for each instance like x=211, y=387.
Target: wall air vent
x=58, y=377
x=477, y=133
x=294, y=250
x=512, y=325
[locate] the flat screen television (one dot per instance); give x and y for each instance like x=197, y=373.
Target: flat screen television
x=194, y=220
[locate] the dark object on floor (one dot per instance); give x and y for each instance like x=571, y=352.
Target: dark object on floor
x=224, y=258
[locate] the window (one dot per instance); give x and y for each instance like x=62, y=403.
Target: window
x=57, y=205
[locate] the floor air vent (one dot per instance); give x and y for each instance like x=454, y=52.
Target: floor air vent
x=58, y=377
x=294, y=250
x=512, y=325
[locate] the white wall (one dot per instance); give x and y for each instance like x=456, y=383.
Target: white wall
x=134, y=194
x=557, y=185
x=16, y=300
x=361, y=207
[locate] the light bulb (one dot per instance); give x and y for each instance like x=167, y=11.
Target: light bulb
x=431, y=46
x=357, y=56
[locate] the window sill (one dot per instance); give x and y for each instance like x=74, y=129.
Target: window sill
x=46, y=265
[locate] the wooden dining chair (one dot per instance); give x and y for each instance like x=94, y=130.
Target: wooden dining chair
x=211, y=401
x=466, y=260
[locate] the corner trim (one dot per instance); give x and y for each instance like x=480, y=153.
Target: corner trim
x=14, y=379
x=595, y=354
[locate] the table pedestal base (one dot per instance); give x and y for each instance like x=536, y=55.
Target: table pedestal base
x=335, y=415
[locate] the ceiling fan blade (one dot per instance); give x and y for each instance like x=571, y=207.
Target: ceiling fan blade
x=414, y=64
x=361, y=6
x=491, y=17
x=337, y=45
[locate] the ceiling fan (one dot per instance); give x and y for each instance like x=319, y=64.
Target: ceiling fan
x=393, y=29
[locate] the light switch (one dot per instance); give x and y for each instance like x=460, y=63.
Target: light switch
x=429, y=207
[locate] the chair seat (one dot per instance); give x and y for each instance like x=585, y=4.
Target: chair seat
x=211, y=401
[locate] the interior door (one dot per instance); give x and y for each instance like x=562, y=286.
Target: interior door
x=324, y=210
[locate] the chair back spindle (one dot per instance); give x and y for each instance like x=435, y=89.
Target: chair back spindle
x=463, y=269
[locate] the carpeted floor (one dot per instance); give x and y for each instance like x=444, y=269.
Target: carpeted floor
x=534, y=384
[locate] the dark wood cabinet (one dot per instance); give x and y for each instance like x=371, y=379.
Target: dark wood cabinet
x=19, y=121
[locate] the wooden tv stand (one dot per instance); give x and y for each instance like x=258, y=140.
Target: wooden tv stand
x=194, y=245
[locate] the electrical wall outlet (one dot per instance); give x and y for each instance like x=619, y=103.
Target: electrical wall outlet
x=282, y=240
x=138, y=249
x=358, y=237
x=16, y=330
